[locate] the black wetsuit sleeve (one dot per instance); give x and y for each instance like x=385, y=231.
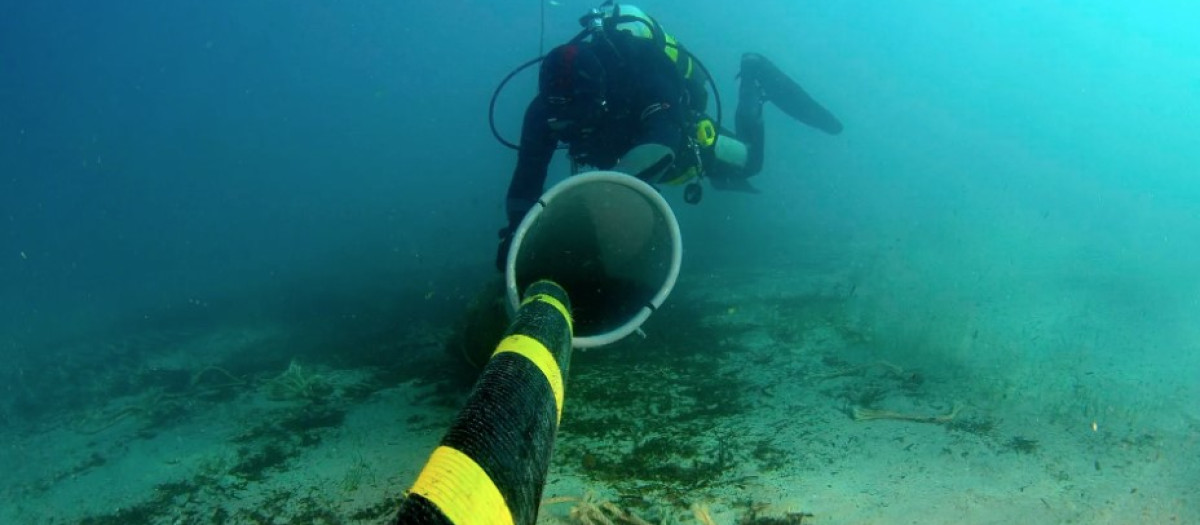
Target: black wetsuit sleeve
x=533, y=161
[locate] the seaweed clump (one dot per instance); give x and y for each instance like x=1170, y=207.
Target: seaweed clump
x=297, y=382
x=1021, y=445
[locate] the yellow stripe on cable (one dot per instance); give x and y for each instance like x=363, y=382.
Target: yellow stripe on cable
x=461, y=489
x=550, y=300
x=537, y=353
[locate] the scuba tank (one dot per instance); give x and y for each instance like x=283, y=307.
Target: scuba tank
x=610, y=16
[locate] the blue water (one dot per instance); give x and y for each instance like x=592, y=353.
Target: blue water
x=174, y=155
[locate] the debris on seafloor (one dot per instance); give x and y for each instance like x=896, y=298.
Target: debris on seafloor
x=590, y=509
x=866, y=414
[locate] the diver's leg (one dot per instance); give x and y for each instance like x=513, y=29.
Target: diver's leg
x=787, y=94
x=748, y=121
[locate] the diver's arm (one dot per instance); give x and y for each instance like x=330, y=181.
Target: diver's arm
x=533, y=161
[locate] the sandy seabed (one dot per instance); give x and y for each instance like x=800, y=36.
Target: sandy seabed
x=754, y=397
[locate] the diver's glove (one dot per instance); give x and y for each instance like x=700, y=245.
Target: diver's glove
x=506, y=237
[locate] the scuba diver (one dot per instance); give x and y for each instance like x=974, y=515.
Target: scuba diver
x=624, y=95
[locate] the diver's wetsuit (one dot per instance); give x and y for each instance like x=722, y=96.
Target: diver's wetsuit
x=646, y=104
x=649, y=102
